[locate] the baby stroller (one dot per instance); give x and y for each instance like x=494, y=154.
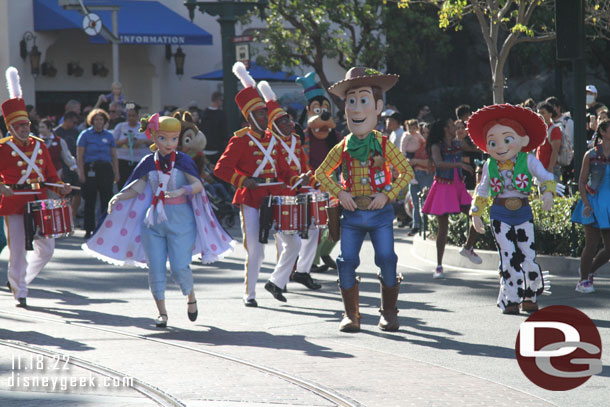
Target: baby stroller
x=224, y=210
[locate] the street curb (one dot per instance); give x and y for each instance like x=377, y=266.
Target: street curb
x=557, y=265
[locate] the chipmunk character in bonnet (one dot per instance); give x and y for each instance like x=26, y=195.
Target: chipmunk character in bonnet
x=507, y=133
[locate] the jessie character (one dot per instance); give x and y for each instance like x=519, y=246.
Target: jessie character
x=366, y=190
x=254, y=164
x=282, y=127
x=318, y=139
x=25, y=165
x=507, y=133
x=162, y=213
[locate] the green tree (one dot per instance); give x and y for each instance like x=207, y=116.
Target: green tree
x=504, y=24
x=310, y=32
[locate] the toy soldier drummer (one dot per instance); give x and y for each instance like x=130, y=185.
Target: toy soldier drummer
x=253, y=162
x=25, y=164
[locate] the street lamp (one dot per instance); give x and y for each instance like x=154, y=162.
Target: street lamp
x=179, y=57
x=34, y=52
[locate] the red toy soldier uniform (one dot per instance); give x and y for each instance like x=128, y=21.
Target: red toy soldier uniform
x=253, y=163
x=25, y=163
x=282, y=127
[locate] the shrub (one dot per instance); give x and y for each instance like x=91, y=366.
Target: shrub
x=554, y=230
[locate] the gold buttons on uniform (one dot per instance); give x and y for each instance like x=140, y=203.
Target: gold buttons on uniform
x=250, y=143
x=23, y=172
x=258, y=161
x=20, y=163
x=40, y=161
x=14, y=153
x=40, y=151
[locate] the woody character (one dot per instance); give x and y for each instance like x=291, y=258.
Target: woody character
x=25, y=166
x=507, y=133
x=254, y=164
x=318, y=138
x=365, y=192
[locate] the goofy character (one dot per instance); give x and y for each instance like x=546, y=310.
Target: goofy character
x=318, y=139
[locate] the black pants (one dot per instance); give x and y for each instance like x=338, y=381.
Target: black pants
x=99, y=177
x=125, y=169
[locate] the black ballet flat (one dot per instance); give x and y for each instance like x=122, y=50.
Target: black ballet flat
x=192, y=315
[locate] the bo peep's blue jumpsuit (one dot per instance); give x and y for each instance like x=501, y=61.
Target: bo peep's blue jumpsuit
x=173, y=238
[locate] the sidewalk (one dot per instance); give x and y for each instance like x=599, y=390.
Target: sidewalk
x=426, y=250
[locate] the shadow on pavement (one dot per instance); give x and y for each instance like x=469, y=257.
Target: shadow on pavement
x=37, y=338
x=95, y=318
x=221, y=337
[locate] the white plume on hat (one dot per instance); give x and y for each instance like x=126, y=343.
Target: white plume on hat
x=239, y=69
x=265, y=89
x=13, y=83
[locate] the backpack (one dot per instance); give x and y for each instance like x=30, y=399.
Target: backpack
x=566, y=151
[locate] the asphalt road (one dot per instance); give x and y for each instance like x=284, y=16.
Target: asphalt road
x=454, y=346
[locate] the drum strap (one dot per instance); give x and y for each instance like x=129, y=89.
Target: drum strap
x=290, y=151
x=266, y=155
x=31, y=162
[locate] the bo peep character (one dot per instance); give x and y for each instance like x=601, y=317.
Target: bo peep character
x=162, y=212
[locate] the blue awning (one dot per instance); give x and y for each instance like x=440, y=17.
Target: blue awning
x=140, y=22
x=257, y=72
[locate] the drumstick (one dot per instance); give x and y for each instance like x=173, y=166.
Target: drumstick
x=26, y=193
x=50, y=184
x=268, y=184
x=308, y=173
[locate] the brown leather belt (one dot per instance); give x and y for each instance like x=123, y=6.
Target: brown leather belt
x=512, y=204
x=363, y=202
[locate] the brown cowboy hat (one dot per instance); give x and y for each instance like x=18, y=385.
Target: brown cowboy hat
x=358, y=77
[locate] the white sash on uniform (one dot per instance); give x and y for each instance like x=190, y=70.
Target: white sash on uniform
x=266, y=155
x=290, y=150
x=30, y=161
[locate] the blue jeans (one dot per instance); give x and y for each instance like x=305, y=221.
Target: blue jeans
x=354, y=227
x=424, y=179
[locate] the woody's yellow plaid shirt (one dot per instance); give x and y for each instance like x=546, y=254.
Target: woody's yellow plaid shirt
x=393, y=157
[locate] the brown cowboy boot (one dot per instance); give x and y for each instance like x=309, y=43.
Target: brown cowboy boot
x=351, y=317
x=388, y=321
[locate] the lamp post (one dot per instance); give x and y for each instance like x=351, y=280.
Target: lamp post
x=228, y=12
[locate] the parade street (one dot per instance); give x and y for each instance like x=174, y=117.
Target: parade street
x=454, y=346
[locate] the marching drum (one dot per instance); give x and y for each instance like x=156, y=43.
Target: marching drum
x=318, y=202
x=52, y=218
x=286, y=212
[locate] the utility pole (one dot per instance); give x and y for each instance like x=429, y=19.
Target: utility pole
x=228, y=12
x=570, y=29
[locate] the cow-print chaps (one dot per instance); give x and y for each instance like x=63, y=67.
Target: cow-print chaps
x=521, y=278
